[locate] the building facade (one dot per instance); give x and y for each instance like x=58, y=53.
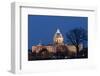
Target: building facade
x=58, y=45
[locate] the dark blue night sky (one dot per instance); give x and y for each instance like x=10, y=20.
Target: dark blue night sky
x=42, y=28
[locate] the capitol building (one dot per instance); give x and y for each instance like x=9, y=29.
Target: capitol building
x=57, y=45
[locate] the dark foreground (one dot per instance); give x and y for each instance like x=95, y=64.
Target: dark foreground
x=45, y=55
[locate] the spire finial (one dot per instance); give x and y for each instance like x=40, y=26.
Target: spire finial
x=40, y=43
x=58, y=31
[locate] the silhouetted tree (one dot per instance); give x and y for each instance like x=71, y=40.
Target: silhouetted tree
x=44, y=54
x=83, y=53
x=76, y=36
